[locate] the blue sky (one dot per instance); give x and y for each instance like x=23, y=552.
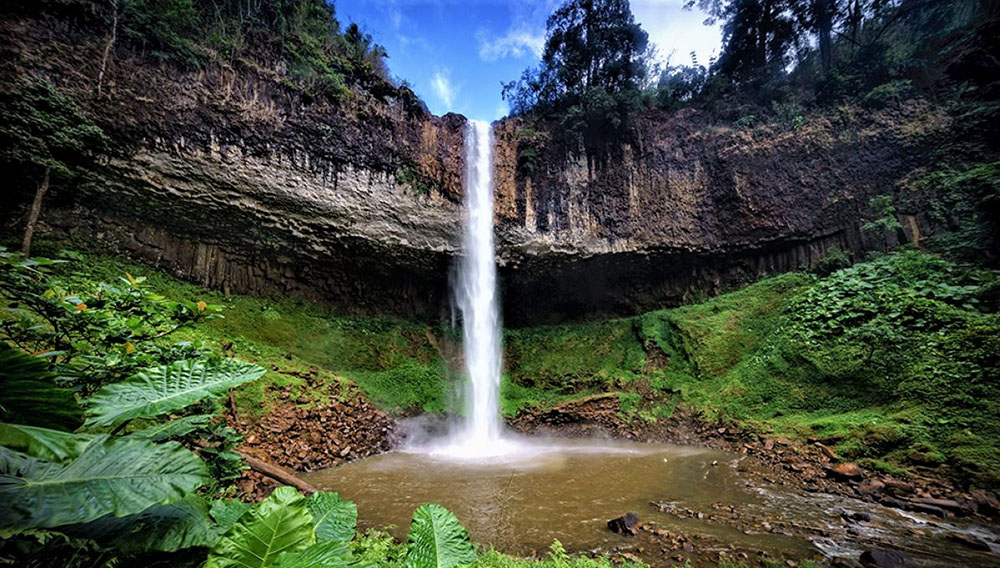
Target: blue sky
x=455, y=53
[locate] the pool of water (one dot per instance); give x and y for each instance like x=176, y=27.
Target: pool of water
x=568, y=489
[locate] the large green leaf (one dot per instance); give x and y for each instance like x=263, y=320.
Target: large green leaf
x=29, y=394
x=168, y=388
x=173, y=429
x=334, y=518
x=333, y=554
x=226, y=513
x=113, y=477
x=42, y=443
x=437, y=540
x=279, y=524
x=160, y=528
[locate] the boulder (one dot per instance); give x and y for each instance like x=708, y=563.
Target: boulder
x=625, y=524
x=845, y=471
x=883, y=559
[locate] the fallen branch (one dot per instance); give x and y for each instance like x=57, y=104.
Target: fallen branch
x=278, y=474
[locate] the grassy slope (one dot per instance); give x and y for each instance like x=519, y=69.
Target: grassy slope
x=893, y=360
x=394, y=361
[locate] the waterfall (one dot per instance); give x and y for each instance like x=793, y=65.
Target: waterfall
x=476, y=293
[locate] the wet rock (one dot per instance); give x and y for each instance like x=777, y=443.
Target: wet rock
x=897, y=487
x=845, y=471
x=883, y=559
x=969, y=540
x=860, y=516
x=946, y=504
x=986, y=503
x=625, y=524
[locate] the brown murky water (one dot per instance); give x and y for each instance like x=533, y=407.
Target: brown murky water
x=567, y=490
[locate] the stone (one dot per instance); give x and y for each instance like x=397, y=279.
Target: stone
x=883, y=559
x=969, y=540
x=845, y=471
x=986, y=502
x=625, y=524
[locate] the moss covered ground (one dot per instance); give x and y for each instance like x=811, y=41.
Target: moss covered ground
x=893, y=361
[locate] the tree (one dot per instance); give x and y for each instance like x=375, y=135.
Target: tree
x=758, y=36
x=44, y=134
x=590, y=75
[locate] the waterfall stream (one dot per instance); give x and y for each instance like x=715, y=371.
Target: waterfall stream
x=476, y=293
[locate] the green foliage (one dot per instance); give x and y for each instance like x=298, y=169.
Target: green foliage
x=590, y=75
x=113, y=477
x=409, y=177
x=680, y=84
x=758, y=38
x=279, y=525
x=29, y=393
x=160, y=528
x=557, y=558
x=92, y=333
x=160, y=390
x=573, y=359
x=746, y=122
x=437, y=540
x=964, y=199
x=882, y=216
x=286, y=530
x=43, y=129
x=174, y=428
x=47, y=445
x=304, y=34
x=334, y=518
x=888, y=94
x=167, y=28
x=379, y=548
x=834, y=259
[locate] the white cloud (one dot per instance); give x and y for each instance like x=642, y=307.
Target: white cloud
x=515, y=43
x=677, y=32
x=441, y=83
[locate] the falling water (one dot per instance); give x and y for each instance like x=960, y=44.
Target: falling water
x=476, y=293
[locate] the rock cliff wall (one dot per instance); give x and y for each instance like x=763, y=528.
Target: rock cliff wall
x=694, y=208
x=234, y=179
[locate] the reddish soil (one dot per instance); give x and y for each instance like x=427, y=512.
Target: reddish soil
x=343, y=425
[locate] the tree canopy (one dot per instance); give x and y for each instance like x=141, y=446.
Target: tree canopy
x=590, y=75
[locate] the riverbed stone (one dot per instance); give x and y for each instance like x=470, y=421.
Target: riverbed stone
x=625, y=524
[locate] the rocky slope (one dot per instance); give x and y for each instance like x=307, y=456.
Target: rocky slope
x=234, y=179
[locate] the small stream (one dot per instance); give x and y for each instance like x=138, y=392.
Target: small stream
x=569, y=489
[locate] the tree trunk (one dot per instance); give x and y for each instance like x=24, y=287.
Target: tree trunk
x=36, y=209
x=109, y=45
x=278, y=474
x=824, y=28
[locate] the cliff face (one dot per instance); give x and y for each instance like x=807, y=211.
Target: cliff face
x=231, y=178
x=694, y=208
